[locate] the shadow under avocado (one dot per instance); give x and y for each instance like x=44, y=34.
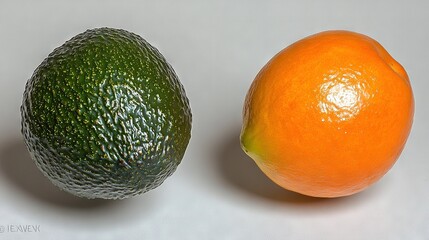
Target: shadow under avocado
x=17, y=167
x=241, y=172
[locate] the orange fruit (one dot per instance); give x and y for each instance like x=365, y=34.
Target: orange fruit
x=329, y=115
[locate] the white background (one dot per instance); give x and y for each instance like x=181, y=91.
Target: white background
x=216, y=47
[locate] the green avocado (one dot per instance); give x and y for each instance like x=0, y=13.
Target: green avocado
x=105, y=116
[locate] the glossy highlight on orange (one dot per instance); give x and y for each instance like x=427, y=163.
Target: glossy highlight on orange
x=329, y=115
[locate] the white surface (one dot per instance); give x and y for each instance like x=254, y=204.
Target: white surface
x=217, y=192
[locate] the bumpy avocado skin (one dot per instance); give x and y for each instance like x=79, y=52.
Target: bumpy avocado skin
x=105, y=116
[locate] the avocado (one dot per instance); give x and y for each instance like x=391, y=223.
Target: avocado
x=105, y=115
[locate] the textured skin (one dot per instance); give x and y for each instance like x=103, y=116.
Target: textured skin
x=329, y=115
x=105, y=116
